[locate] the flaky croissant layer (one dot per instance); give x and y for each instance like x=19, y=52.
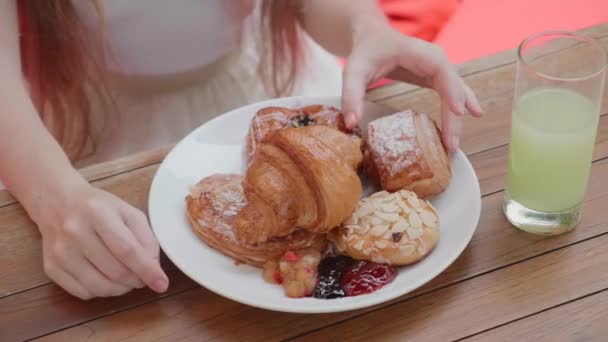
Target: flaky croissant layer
x=300, y=178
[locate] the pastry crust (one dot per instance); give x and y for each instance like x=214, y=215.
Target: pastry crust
x=393, y=228
x=404, y=151
x=269, y=119
x=300, y=178
x=211, y=208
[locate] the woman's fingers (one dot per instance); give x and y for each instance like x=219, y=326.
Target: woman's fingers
x=89, y=277
x=100, y=256
x=138, y=223
x=126, y=248
x=65, y=280
x=451, y=127
x=354, y=84
x=71, y=270
x=472, y=103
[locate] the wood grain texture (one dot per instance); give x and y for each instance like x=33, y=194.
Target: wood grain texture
x=48, y=308
x=495, y=245
x=581, y=320
x=523, y=274
x=106, y=169
x=444, y=314
x=487, y=301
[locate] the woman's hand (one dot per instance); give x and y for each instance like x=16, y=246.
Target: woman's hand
x=96, y=245
x=379, y=51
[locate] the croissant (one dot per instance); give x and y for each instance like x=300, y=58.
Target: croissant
x=212, y=205
x=299, y=178
x=269, y=119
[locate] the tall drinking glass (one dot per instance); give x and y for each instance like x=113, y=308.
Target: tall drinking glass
x=558, y=93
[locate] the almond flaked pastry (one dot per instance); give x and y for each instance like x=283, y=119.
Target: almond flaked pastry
x=400, y=229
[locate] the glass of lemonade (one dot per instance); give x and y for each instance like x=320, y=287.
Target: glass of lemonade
x=558, y=93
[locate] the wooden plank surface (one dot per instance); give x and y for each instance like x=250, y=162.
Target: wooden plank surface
x=109, y=168
x=581, y=320
x=496, y=298
x=488, y=269
x=496, y=245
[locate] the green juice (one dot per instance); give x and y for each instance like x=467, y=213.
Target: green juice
x=552, y=139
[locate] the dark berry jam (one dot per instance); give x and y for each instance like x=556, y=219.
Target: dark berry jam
x=366, y=277
x=340, y=276
x=301, y=121
x=329, y=273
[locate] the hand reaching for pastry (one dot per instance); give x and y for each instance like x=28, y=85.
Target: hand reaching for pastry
x=379, y=51
x=96, y=245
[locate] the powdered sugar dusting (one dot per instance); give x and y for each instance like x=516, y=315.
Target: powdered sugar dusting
x=262, y=124
x=221, y=198
x=328, y=114
x=393, y=142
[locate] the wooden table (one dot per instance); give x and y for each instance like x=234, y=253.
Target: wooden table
x=507, y=285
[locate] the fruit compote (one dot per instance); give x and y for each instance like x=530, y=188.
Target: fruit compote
x=303, y=273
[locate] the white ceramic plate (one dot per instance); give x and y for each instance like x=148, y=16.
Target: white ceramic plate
x=218, y=147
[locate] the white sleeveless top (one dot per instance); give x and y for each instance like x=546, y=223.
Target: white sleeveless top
x=160, y=36
x=151, y=41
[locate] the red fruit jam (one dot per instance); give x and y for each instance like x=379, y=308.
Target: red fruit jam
x=366, y=277
x=340, y=276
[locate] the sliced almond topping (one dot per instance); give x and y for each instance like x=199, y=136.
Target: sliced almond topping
x=399, y=226
x=404, y=207
x=364, y=227
x=352, y=237
x=415, y=220
x=428, y=218
x=379, y=194
x=359, y=245
x=413, y=201
x=380, y=244
x=388, y=217
x=376, y=220
x=369, y=251
x=407, y=249
x=414, y=233
x=365, y=209
x=390, y=208
x=379, y=230
x=378, y=202
x=353, y=219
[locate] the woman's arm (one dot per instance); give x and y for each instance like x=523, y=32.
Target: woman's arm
x=333, y=24
x=359, y=31
x=88, y=235
x=28, y=153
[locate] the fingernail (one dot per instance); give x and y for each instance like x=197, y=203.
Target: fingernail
x=160, y=285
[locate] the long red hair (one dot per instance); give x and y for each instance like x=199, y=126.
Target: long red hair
x=62, y=76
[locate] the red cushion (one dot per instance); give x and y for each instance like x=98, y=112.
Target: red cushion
x=419, y=18
x=482, y=27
